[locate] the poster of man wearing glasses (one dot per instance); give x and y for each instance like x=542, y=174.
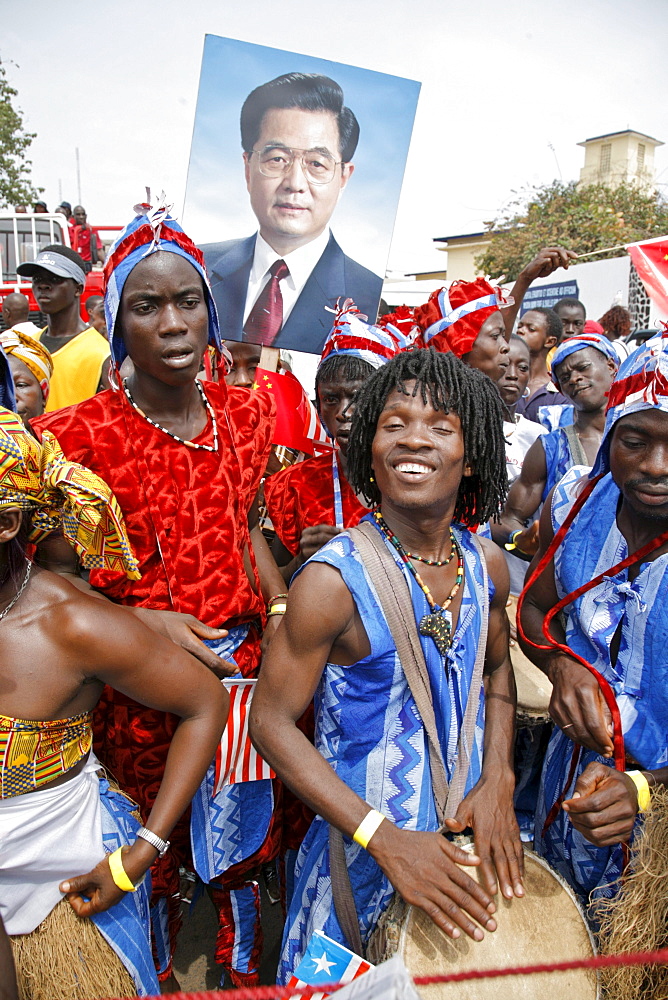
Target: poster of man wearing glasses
x=293, y=184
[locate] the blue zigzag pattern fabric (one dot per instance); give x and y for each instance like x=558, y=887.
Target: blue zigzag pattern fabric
x=229, y=828
x=639, y=678
x=369, y=730
x=126, y=926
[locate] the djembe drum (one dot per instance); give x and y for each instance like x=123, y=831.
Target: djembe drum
x=545, y=925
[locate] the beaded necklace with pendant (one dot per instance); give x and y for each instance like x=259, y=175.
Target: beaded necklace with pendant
x=189, y=444
x=438, y=623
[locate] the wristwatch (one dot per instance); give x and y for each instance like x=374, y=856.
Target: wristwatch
x=161, y=846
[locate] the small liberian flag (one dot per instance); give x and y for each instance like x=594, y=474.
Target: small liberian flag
x=327, y=961
x=236, y=757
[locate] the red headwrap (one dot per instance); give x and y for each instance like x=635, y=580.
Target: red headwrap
x=452, y=318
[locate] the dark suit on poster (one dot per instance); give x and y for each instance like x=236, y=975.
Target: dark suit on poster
x=334, y=276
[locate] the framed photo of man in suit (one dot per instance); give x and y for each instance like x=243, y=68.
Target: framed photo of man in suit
x=294, y=179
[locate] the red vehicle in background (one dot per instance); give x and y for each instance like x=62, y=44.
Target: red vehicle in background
x=22, y=236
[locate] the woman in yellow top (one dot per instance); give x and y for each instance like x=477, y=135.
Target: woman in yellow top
x=79, y=352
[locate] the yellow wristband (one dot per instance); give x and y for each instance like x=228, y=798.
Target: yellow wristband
x=118, y=872
x=511, y=544
x=368, y=827
x=277, y=609
x=642, y=785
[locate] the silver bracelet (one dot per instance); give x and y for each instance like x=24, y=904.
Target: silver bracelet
x=161, y=846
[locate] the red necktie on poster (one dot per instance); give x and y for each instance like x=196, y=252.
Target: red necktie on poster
x=266, y=317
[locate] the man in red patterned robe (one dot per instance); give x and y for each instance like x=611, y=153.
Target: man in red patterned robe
x=185, y=460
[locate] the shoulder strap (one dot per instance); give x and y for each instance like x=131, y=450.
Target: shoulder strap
x=574, y=443
x=395, y=600
x=397, y=607
x=466, y=736
x=342, y=892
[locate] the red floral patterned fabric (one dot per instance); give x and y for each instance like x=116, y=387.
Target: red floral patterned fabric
x=196, y=503
x=303, y=495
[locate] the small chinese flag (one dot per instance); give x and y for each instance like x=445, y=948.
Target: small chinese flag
x=651, y=262
x=298, y=425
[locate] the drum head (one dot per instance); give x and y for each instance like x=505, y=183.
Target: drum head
x=546, y=925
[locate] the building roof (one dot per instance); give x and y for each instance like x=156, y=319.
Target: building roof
x=627, y=131
x=460, y=236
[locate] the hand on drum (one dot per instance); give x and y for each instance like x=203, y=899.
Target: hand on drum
x=423, y=867
x=577, y=706
x=604, y=805
x=488, y=810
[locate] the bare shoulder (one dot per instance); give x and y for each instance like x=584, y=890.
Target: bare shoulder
x=319, y=594
x=77, y=619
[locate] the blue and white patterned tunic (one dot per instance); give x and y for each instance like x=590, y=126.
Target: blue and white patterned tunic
x=639, y=678
x=558, y=458
x=369, y=730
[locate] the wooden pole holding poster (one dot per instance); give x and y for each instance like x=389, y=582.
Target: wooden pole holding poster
x=270, y=358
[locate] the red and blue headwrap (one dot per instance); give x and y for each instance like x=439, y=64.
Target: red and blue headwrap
x=351, y=335
x=573, y=344
x=453, y=317
x=641, y=384
x=152, y=229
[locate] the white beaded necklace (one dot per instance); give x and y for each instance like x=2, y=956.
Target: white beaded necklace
x=188, y=444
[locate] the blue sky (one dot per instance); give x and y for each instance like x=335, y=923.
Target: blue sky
x=217, y=205
x=500, y=83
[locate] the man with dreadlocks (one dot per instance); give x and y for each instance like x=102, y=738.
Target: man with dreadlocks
x=311, y=502
x=603, y=559
x=427, y=450
x=185, y=460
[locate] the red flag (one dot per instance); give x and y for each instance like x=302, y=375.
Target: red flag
x=236, y=758
x=298, y=425
x=651, y=262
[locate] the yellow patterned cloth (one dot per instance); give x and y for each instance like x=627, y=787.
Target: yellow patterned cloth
x=34, y=356
x=33, y=753
x=37, y=478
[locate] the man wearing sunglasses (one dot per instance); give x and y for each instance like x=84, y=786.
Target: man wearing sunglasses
x=278, y=287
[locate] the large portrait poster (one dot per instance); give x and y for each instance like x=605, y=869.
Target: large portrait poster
x=293, y=184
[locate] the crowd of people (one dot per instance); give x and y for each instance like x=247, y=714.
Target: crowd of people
x=156, y=545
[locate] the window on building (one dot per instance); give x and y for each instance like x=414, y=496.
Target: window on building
x=641, y=157
x=606, y=150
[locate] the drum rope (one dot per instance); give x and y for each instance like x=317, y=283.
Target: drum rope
x=659, y=957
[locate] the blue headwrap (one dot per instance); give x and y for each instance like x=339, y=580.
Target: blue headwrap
x=573, y=344
x=641, y=384
x=152, y=229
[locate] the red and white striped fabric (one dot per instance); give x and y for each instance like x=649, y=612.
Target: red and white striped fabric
x=237, y=759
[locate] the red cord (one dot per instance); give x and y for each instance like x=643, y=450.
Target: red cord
x=606, y=690
x=659, y=957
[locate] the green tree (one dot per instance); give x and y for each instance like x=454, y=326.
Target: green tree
x=579, y=218
x=15, y=185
